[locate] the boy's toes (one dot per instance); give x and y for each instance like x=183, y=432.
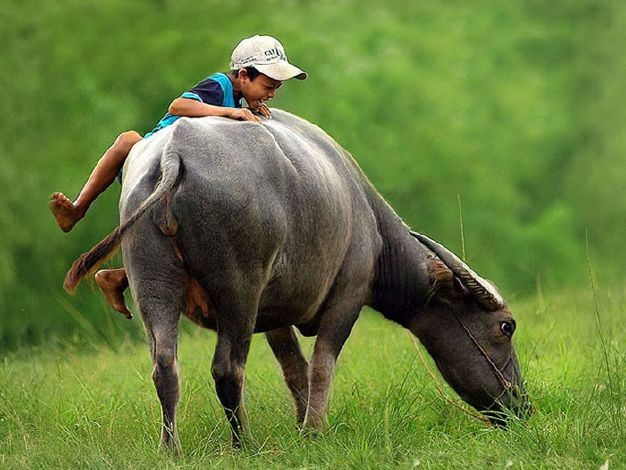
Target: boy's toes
x=64, y=211
x=60, y=199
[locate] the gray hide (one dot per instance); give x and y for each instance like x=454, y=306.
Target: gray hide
x=281, y=228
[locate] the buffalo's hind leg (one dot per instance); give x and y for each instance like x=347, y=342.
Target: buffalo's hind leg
x=236, y=315
x=284, y=344
x=161, y=324
x=158, y=287
x=162, y=339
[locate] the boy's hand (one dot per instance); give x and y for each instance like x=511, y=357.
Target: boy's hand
x=243, y=114
x=264, y=110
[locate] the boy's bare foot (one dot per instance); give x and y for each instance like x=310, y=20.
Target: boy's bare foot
x=64, y=211
x=112, y=283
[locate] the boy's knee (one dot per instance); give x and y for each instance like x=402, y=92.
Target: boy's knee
x=128, y=139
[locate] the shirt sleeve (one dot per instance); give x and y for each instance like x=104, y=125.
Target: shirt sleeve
x=207, y=91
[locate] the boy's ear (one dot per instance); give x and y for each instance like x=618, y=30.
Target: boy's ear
x=242, y=73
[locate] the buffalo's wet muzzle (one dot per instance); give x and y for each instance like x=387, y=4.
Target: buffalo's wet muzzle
x=514, y=402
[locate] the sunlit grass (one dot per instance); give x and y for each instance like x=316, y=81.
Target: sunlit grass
x=61, y=407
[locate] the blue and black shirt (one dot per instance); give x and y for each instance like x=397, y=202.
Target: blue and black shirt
x=216, y=89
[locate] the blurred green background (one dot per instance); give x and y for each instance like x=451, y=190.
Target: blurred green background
x=514, y=108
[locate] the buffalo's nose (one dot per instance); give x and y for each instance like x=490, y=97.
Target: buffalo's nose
x=519, y=402
x=497, y=418
x=515, y=402
x=516, y=406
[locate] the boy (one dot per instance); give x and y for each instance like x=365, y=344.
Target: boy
x=258, y=68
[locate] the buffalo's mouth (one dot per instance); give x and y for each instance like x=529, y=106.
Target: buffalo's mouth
x=514, y=403
x=510, y=401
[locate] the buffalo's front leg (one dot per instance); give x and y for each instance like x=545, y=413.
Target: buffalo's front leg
x=334, y=330
x=286, y=348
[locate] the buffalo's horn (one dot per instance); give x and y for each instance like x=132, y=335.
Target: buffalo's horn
x=482, y=289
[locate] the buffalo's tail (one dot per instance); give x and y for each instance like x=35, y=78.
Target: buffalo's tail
x=89, y=262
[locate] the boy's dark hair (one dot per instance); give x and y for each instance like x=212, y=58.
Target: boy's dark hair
x=252, y=72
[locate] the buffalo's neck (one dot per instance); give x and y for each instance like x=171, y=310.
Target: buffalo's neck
x=401, y=282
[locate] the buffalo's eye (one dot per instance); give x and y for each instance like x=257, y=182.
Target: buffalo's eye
x=507, y=328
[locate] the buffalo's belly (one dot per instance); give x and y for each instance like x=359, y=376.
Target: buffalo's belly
x=298, y=307
x=273, y=318
x=267, y=319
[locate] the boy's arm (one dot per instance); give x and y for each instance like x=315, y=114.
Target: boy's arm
x=192, y=108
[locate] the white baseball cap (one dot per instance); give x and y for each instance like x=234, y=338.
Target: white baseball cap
x=267, y=55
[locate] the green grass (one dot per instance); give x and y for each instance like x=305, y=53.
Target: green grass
x=67, y=407
x=437, y=101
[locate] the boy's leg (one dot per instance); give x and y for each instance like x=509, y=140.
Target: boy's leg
x=66, y=212
x=112, y=283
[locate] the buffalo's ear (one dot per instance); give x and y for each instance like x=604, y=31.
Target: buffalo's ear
x=443, y=280
x=439, y=273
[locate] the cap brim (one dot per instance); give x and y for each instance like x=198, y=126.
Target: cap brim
x=281, y=71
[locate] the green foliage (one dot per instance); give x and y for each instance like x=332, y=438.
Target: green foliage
x=96, y=408
x=513, y=106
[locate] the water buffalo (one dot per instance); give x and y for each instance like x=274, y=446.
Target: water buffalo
x=279, y=228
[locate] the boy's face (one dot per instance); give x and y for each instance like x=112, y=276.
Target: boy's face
x=259, y=90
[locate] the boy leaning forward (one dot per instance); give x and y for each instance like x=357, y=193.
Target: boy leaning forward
x=258, y=68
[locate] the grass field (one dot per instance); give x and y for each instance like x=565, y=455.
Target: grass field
x=514, y=110
x=96, y=408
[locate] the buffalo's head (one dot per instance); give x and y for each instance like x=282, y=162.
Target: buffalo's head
x=468, y=330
